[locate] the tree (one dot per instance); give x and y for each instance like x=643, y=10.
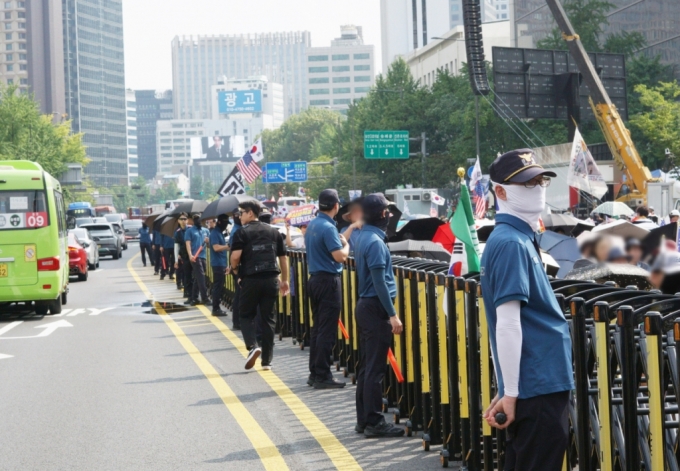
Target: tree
x=588, y=17
x=25, y=134
x=659, y=122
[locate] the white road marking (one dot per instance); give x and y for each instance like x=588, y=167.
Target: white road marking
x=76, y=312
x=10, y=326
x=96, y=312
x=48, y=329
x=62, y=313
x=4, y=355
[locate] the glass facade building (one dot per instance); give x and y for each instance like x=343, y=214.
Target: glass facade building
x=198, y=62
x=95, y=85
x=152, y=106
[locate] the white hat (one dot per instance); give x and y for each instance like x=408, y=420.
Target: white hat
x=675, y=212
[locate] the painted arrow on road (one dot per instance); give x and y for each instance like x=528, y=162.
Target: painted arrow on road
x=4, y=355
x=48, y=329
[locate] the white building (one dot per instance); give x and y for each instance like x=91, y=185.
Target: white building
x=448, y=54
x=456, y=11
x=258, y=94
x=131, y=126
x=501, y=9
x=341, y=73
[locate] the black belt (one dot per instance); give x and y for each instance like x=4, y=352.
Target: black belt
x=325, y=273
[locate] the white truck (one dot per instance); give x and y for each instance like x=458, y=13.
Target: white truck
x=663, y=197
x=413, y=200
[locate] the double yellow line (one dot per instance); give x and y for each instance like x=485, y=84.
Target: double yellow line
x=268, y=452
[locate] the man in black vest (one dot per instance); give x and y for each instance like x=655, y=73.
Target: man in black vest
x=254, y=252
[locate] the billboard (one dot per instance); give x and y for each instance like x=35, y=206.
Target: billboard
x=218, y=148
x=239, y=101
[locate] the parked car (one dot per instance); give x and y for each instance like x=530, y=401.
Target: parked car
x=81, y=221
x=108, y=241
x=118, y=229
x=77, y=258
x=131, y=228
x=90, y=246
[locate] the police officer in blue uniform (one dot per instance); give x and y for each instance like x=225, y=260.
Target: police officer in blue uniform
x=326, y=251
x=218, y=262
x=376, y=317
x=236, y=321
x=195, y=239
x=156, y=247
x=182, y=263
x=168, y=254
x=529, y=335
x=145, y=243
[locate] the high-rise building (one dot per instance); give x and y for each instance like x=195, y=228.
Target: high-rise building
x=197, y=63
x=95, y=85
x=133, y=158
x=152, y=106
x=31, y=51
x=341, y=73
x=657, y=20
x=501, y=9
x=488, y=8
x=248, y=98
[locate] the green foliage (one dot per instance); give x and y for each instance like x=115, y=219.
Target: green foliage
x=624, y=43
x=25, y=134
x=202, y=189
x=589, y=18
x=659, y=122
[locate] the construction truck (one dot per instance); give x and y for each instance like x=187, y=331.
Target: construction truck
x=617, y=136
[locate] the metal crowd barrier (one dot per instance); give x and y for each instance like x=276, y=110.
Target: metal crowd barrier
x=623, y=413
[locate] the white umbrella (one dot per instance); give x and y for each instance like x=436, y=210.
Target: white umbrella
x=622, y=228
x=614, y=209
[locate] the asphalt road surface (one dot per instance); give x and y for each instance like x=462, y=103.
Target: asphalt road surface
x=117, y=382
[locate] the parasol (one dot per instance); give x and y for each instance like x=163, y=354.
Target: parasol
x=621, y=228
x=621, y=274
x=614, y=209
x=565, y=221
x=225, y=205
x=563, y=249
x=189, y=207
x=444, y=237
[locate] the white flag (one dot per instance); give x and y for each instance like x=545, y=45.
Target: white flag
x=436, y=199
x=476, y=175
x=256, y=151
x=583, y=171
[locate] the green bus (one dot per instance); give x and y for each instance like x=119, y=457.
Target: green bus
x=34, y=262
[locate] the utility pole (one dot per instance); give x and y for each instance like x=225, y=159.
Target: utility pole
x=477, y=122
x=423, y=153
x=354, y=163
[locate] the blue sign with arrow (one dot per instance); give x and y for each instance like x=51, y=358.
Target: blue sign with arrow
x=285, y=172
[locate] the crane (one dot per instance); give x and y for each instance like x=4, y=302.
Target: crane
x=615, y=132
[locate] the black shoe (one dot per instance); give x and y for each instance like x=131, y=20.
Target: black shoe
x=172, y=277
x=189, y=302
x=311, y=380
x=195, y=302
x=219, y=313
x=145, y=265
x=155, y=273
x=383, y=429
x=252, y=357
x=328, y=384
x=358, y=428
x=162, y=277
x=235, y=327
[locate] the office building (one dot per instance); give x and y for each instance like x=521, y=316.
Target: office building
x=341, y=73
x=133, y=159
x=95, y=85
x=32, y=55
x=657, y=20
x=448, y=54
x=197, y=63
x=501, y=9
x=152, y=106
x=247, y=98
x=488, y=8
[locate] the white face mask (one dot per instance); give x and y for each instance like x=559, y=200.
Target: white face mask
x=524, y=203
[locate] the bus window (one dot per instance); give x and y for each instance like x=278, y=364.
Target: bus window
x=23, y=209
x=59, y=203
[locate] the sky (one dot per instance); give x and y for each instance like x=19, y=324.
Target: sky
x=150, y=25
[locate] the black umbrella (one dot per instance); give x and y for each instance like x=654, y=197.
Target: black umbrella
x=190, y=207
x=652, y=241
x=418, y=229
x=225, y=205
x=149, y=220
x=621, y=274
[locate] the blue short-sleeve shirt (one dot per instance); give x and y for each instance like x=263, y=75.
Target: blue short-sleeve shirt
x=156, y=237
x=321, y=240
x=217, y=259
x=167, y=242
x=372, y=252
x=512, y=270
x=197, y=237
x=144, y=236
x=353, y=238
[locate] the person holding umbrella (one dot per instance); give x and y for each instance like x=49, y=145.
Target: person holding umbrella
x=157, y=239
x=195, y=239
x=529, y=334
x=182, y=262
x=218, y=262
x=145, y=243
x=168, y=254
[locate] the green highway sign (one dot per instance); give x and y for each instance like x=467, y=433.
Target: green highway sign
x=386, y=144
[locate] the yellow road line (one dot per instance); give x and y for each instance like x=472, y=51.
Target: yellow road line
x=269, y=453
x=338, y=454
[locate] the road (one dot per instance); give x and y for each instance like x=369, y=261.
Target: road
x=113, y=383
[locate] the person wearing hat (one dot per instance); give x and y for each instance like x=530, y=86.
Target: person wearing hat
x=255, y=249
x=674, y=216
x=376, y=317
x=529, y=334
x=617, y=255
x=218, y=262
x=182, y=262
x=354, y=216
x=326, y=252
x=195, y=239
x=634, y=252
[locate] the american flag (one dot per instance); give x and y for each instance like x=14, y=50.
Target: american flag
x=249, y=168
x=480, y=201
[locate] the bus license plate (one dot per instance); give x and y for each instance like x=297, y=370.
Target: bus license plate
x=3, y=270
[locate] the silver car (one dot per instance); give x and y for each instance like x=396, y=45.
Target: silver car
x=118, y=228
x=107, y=240
x=90, y=246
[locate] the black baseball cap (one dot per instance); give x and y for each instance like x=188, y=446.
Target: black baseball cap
x=517, y=166
x=374, y=203
x=328, y=199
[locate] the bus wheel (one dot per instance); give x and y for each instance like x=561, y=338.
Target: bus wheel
x=41, y=308
x=64, y=298
x=55, y=306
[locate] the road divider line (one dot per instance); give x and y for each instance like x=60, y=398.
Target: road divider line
x=269, y=454
x=336, y=451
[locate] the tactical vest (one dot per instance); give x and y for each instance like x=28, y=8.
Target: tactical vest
x=259, y=254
